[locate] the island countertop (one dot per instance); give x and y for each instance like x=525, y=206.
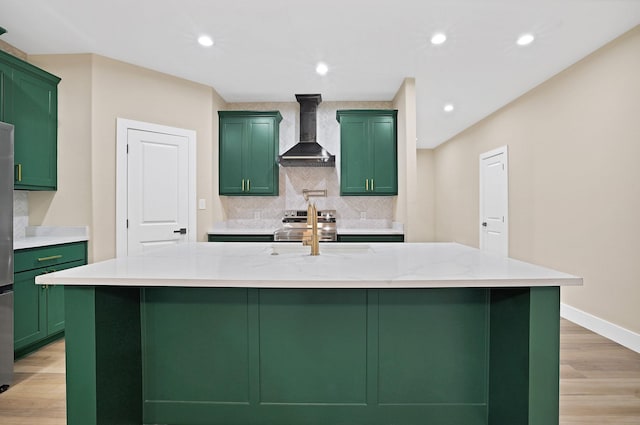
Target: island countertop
x=289, y=265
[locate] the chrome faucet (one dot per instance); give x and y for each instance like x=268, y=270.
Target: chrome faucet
x=310, y=237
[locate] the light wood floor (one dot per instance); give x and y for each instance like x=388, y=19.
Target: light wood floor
x=599, y=383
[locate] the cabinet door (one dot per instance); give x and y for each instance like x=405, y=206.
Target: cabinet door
x=6, y=73
x=34, y=115
x=355, y=161
x=232, y=132
x=30, y=320
x=382, y=135
x=260, y=158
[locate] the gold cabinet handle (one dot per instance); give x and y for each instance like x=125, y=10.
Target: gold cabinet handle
x=248, y=185
x=19, y=167
x=52, y=257
x=243, y=185
x=366, y=185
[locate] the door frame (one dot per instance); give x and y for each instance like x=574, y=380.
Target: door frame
x=501, y=150
x=123, y=126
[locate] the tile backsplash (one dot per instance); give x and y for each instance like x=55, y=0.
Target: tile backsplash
x=20, y=213
x=267, y=211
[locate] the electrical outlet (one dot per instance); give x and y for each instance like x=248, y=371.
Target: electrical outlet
x=256, y=215
x=363, y=215
x=202, y=204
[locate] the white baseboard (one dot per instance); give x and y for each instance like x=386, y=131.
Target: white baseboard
x=611, y=331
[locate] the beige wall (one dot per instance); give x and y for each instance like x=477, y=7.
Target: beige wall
x=118, y=90
x=407, y=200
x=574, y=179
x=425, y=228
x=70, y=205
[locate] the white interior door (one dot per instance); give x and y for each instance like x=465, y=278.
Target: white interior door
x=494, y=202
x=157, y=189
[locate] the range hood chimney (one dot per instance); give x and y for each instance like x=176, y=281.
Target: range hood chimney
x=307, y=153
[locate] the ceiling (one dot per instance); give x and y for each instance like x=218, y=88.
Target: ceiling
x=268, y=50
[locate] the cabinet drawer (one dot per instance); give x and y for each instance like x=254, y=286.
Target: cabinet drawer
x=34, y=258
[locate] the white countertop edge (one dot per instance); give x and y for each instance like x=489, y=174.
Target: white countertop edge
x=302, y=284
x=282, y=265
x=39, y=236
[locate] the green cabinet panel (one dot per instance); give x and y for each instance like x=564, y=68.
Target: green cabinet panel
x=217, y=317
x=29, y=101
x=240, y=238
x=39, y=310
x=324, y=336
x=249, y=144
x=370, y=238
x=368, y=147
x=6, y=92
x=443, y=327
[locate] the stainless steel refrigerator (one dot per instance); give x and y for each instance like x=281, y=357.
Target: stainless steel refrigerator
x=6, y=255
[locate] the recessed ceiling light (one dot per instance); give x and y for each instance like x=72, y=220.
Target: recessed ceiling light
x=322, y=68
x=448, y=107
x=525, y=39
x=438, y=38
x=205, y=41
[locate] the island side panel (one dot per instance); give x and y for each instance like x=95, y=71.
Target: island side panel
x=524, y=356
x=103, y=355
x=509, y=356
x=544, y=356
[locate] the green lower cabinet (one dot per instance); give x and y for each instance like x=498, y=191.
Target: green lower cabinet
x=240, y=238
x=238, y=356
x=39, y=310
x=370, y=238
x=30, y=310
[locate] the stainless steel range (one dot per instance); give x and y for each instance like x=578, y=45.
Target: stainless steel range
x=294, y=225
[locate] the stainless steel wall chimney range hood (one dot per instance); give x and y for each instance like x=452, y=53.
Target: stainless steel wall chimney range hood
x=308, y=152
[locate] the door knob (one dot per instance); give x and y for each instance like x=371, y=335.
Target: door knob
x=182, y=231
x=484, y=224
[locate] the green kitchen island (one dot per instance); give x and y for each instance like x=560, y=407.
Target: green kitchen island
x=264, y=334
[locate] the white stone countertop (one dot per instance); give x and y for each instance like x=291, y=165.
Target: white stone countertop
x=38, y=236
x=289, y=265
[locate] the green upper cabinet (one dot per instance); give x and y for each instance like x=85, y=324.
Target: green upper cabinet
x=29, y=101
x=368, y=147
x=249, y=144
x=6, y=72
